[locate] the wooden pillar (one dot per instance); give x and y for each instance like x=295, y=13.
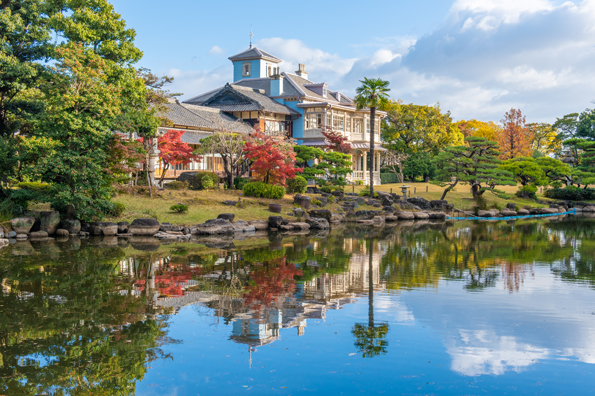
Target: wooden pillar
x=365, y=162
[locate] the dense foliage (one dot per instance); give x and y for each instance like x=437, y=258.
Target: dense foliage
x=263, y=190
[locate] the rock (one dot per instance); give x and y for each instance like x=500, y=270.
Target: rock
x=360, y=200
x=390, y=219
x=386, y=201
x=420, y=202
x=585, y=209
x=406, y=205
x=227, y=216
x=168, y=227
x=302, y=200
x=38, y=235
x=84, y=234
x=338, y=194
x=145, y=243
x=275, y=221
x=12, y=234
x=322, y=213
x=299, y=212
x=72, y=226
x=421, y=215
x=22, y=225
x=105, y=229
x=366, y=222
x=323, y=201
x=298, y=225
x=437, y=215
x=562, y=210
x=511, y=206
x=242, y=226
x=337, y=218
x=318, y=223
x=21, y=237
x=230, y=203
x=259, y=225
x=448, y=207
x=438, y=204
x=405, y=215
x=555, y=206
x=171, y=235
x=285, y=227
x=388, y=209
x=378, y=220
x=49, y=222
x=214, y=227
x=487, y=213
x=123, y=227
x=364, y=214
x=3, y=242
x=508, y=213
x=144, y=227
x=1, y=232
x=62, y=233
x=187, y=177
x=543, y=210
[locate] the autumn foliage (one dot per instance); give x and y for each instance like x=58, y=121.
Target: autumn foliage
x=515, y=139
x=272, y=160
x=173, y=151
x=336, y=141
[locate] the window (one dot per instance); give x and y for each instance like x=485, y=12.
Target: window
x=367, y=125
x=274, y=128
x=269, y=70
x=357, y=125
x=347, y=124
x=338, y=120
x=246, y=69
x=324, y=91
x=313, y=121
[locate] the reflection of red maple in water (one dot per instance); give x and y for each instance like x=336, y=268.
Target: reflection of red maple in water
x=271, y=284
x=514, y=275
x=170, y=280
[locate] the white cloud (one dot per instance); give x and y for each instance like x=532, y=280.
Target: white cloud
x=216, y=50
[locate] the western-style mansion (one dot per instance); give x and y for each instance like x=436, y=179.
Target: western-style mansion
x=264, y=97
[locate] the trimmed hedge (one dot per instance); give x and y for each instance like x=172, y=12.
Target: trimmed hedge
x=297, y=185
x=197, y=182
x=389, y=178
x=262, y=190
x=571, y=193
x=176, y=185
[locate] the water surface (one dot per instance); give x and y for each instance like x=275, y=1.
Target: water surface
x=465, y=308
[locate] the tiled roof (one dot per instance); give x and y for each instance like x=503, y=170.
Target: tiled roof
x=254, y=53
x=203, y=117
x=191, y=137
x=302, y=84
x=366, y=146
x=265, y=84
x=239, y=98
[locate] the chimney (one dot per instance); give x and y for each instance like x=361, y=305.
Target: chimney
x=302, y=71
x=277, y=85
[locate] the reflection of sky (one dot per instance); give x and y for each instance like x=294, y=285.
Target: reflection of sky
x=448, y=341
x=493, y=332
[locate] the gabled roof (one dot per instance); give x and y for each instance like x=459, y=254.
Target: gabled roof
x=233, y=97
x=203, y=118
x=302, y=84
x=254, y=53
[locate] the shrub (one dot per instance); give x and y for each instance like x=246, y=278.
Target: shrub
x=240, y=182
x=527, y=191
x=177, y=185
x=330, y=189
x=207, y=182
x=197, y=182
x=262, y=190
x=34, y=186
x=389, y=178
x=117, y=209
x=366, y=192
x=179, y=208
x=571, y=193
x=297, y=185
x=316, y=202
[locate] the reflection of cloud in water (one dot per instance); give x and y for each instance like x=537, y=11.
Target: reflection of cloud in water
x=392, y=309
x=484, y=352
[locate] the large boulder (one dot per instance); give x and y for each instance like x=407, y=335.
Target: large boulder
x=390, y=219
x=123, y=227
x=388, y=209
x=438, y=204
x=227, y=216
x=322, y=213
x=214, y=227
x=298, y=225
x=405, y=215
x=62, y=233
x=143, y=227
x=364, y=215
x=421, y=215
x=259, y=225
x=169, y=227
x=318, y=223
x=49, y=222
x=360, y=200
x=323, y=201
x=338, y=194
x=275, y=221
x=38, y=235
x=302, y=200
x=437, y=215
x=187, y=177
x=420, y=202
x=365, y=222
x=507, y=213
x=511, y=206
x=523, y=212
x=105, y=229
x=72, y=226
x=22, y=225
x=242, y=226
x=488, y=213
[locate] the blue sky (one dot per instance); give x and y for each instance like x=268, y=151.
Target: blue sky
x=477, y=58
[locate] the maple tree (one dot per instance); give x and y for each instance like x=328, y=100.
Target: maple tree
x=174, y=152
x=515, y=139
x=272, y=160
x=335, y=140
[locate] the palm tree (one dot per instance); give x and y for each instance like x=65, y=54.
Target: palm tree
x=372, y=94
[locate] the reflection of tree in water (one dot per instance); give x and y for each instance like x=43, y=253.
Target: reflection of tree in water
x=370, y=338
x=513, y=275
x=72, y=327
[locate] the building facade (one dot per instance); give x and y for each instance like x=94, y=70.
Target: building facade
x=290, y=104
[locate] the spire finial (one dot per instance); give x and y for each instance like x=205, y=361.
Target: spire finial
x=251, y=35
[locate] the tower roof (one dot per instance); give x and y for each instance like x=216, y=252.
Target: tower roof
x=254, y=53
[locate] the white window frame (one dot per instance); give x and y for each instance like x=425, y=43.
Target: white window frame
x=246, y=69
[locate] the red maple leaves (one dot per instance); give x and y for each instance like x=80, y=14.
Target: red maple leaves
x=273, y=160
x=175, y=152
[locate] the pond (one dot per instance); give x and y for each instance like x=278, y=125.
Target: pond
x=418, y=308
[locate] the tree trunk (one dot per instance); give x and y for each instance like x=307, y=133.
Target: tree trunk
x=475, y=191
x=447, y=190
x=148, y=175
x=370, y=287
x=165, y=168
x=372, y=124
